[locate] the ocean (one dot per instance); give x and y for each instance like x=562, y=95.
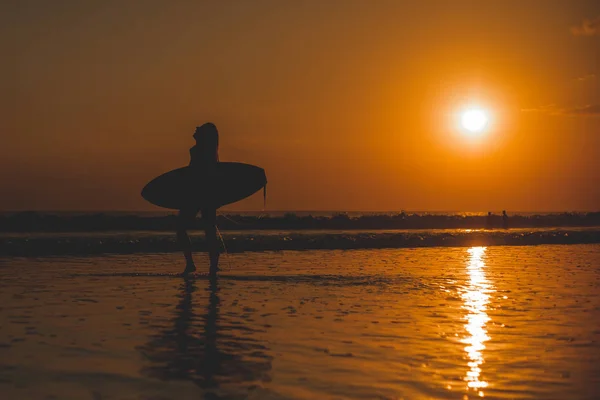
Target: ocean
x=304, y=307
x=498, y=322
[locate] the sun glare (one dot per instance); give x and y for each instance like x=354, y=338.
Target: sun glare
x=474, y=120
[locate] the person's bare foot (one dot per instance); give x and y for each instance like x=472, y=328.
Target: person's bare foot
x=189, y=268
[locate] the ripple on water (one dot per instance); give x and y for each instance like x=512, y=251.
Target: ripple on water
x=504, y=322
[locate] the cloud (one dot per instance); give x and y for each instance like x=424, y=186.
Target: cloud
x=588, y=77
x=590, y=110
x=589, y=27
x=550, y=109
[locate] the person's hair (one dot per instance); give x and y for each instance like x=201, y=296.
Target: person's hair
x=207, y=137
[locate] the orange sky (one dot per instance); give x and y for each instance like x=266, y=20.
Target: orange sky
x=348, y=105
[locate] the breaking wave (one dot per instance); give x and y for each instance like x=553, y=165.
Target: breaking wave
x=165, y=221
x=59, y=244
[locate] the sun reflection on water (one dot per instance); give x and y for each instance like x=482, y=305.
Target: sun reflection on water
x=476, y=297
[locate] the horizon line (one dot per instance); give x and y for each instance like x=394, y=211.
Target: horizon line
x=301, y=211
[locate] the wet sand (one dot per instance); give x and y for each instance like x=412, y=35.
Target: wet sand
x=499, y=322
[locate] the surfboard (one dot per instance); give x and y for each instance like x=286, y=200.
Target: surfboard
x=186, y=187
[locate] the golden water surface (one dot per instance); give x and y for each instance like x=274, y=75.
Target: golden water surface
x=454, y=323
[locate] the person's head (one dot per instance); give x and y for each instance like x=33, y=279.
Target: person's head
x=207, y=132
x=207, y=136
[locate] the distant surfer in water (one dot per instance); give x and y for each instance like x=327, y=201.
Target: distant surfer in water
x=204, y=157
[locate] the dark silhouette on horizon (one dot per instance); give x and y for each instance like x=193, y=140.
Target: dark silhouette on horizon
x=203, y=186
x=492, y=220
x=204, y=157
x=489, y=223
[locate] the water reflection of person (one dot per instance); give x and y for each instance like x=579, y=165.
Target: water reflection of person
x=205, y=349
x=204, y=156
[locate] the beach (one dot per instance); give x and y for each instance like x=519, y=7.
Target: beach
x=305, y=200
x=506, y=322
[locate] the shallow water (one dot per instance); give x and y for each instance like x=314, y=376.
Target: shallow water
x=498, y=322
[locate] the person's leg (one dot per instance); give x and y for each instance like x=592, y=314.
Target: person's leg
x=209, y=217
x=184, y=221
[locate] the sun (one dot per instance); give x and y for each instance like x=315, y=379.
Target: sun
x=474, y=120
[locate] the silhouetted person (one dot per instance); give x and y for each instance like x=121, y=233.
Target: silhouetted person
x=504, y=220
x=204, y=157
x=488, y=220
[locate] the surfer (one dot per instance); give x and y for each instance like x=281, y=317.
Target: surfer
x=489, y=220
x=204, y=157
